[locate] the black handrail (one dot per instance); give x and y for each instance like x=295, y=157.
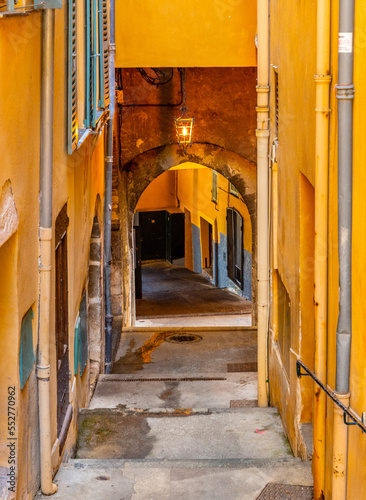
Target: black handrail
x=332, y=395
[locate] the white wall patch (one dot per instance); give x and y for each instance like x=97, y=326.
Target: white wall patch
x=9, y=219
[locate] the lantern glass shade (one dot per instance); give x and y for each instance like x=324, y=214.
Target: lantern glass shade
x=184, y=128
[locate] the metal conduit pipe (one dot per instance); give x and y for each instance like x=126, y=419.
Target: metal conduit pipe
x=45, y=240
x=108, y=194
x=322, y=111
x=345, y=95
x=262, y=133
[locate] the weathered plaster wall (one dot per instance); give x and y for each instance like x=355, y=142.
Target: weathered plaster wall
x=293, y=56
x=77, y=180
x=195, y=194
x=222, y=101
x=356, y=475
x=293, y=53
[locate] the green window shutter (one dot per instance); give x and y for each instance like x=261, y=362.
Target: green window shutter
x=72, y=80
x=104, y=55
x=81, y=348
x=94, y=63
x=26, y=354
x=77, y=346
x=88, y=64
x=84, y=351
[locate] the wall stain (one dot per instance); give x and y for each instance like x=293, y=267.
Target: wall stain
x=134, y=360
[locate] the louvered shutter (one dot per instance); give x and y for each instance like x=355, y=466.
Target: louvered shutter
x=94, y=63
x=72, y=80
x=103, y=51
x=88, y=64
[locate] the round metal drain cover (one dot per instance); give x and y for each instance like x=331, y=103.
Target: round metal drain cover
x=183, y=338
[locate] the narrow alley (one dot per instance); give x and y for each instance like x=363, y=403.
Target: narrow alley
x=182, y=250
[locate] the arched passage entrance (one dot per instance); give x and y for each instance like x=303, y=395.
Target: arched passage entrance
x=135, y=176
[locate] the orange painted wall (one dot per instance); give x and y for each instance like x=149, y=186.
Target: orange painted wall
x=208, y=33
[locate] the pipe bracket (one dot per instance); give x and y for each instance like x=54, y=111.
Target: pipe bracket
x=262, y=132
x=345, y=92
x=44, y=268
x=323, y=78
x=262, y=89
x=43, y=372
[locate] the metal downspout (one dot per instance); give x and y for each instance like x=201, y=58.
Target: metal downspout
x=322, y=111
x=345, y=95
x=262, y=133
x=45, y=240
x=108, y=194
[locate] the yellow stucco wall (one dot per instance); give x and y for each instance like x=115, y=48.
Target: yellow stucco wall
x=77, y=180
x=208, y=33
x=356, y=484
x=194, y=192
x=161, y=193
x=292, y=55
x=357, y=440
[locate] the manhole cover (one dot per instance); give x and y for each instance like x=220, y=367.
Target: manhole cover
x=181, y=338
x=274, y=491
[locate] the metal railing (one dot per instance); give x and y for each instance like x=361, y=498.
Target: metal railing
x=347, y=411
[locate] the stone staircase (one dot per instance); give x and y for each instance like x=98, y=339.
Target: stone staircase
x=166, y=426
x=173, y=454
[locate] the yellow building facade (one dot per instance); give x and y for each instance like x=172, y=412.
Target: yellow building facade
x=77, y=191
x=304, y=240
x=302, y=234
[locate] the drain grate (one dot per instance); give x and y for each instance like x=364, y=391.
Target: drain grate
x=182, y=338
x=275, y=491
x=183, y=379
x=242, y=367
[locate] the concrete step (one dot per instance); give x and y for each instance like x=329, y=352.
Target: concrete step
x=247, y=433
x=218, y=390
x=176, y=480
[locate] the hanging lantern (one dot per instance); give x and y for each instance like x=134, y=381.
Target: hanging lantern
x=184, y=124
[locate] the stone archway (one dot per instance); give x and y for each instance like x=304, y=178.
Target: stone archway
x=135, y=176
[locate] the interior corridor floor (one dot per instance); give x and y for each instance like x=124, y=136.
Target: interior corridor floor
x=173, y=295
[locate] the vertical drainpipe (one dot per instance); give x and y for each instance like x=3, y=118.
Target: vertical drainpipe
x=262, y=133
x=45, y=239
x=322, y=84
x=108, y=194
x=345, y=95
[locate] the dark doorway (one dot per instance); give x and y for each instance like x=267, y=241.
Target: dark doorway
x=235, y=246
x=206, y=246
x=62, y=331
x=153, y=226
x=162, y=235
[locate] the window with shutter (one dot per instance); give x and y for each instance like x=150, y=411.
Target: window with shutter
x=103, y=51
x=88, y=65
x=94, y=86
x=94, y=63
x=72, y=79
